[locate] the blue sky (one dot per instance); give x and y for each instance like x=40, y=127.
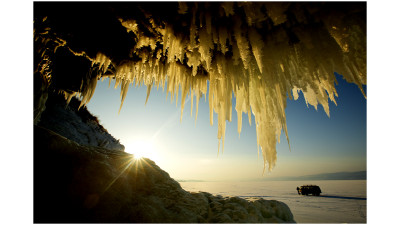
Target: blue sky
x=189, y=150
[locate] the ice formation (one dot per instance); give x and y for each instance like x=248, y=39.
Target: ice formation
x=260, y=52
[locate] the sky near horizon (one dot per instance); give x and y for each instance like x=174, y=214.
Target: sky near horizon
x=188, y=150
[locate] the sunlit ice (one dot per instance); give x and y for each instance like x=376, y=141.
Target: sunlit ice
x=142, y=148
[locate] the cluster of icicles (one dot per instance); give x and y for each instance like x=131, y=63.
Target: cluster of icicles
x=260, y=70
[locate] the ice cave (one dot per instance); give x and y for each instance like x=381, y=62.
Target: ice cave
x=262, y=52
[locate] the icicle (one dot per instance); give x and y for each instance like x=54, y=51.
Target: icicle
x=191, y=102
x=197, y=106
x=239, y=51
x=242, y=43
x=211, y=100
x=124, y=91
x=88, y=92
x=228, y=7
x=182, y=7
x=208, y=23
x=68, y=96
x=256, y=45
x=148, y=93
x=223, y=36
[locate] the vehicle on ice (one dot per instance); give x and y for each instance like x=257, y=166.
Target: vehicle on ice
x=309, y=189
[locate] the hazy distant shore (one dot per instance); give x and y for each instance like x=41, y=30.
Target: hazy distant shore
x=359, y=175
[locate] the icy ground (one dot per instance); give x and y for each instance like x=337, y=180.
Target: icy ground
x=341, y=201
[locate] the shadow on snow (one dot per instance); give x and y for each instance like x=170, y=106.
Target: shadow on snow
x=342, y=197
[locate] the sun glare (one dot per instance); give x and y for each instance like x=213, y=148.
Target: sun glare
x=142, y=148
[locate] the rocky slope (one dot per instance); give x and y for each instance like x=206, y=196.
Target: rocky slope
x=76, y=183
x=77, y=125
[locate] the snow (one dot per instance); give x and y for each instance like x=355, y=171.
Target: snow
x=341, y=201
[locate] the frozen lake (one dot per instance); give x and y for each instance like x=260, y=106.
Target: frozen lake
x=341, y=201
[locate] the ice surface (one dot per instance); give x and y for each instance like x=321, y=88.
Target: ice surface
x=238, y=50
x=341, y=201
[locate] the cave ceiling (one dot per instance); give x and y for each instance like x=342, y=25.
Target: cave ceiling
x=262, y=52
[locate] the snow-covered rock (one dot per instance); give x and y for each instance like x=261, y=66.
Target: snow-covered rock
x=77, y=125
x=77, y=183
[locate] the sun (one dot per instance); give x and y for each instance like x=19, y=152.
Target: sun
x=142, y=148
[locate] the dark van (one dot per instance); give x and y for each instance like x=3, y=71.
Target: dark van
x=309, y=189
